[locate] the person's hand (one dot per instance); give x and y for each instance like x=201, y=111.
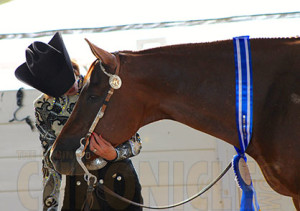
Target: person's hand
x=101, y=147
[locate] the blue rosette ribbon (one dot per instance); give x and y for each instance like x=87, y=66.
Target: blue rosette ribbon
x=244, y=117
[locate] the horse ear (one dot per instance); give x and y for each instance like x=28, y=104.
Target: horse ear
x=106, y=58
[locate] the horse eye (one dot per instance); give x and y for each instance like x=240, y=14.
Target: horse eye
x=93, y=98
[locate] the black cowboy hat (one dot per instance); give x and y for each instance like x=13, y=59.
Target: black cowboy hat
x=48, y=67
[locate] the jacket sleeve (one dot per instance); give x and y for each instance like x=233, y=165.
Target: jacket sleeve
x=129, y=148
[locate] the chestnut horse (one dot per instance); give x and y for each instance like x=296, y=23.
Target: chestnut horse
x=195, y=84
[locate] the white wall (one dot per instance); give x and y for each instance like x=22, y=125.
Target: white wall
x=175, y=163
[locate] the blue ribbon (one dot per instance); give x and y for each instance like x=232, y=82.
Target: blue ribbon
x=244, y=115
x=244, y=96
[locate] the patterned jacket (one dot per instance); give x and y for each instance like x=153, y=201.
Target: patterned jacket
x=51, y=115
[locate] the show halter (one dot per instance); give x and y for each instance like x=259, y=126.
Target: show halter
x=115, y=83
x=244, y=120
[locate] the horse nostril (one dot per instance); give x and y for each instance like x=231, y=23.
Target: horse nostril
x=64, y=160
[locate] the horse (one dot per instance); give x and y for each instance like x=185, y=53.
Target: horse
x=194, y=84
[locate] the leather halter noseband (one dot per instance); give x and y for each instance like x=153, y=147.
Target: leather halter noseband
x=115, y=82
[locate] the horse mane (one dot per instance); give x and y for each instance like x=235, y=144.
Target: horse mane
x=170, y=49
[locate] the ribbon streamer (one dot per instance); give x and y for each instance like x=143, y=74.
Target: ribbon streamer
x=244, y=120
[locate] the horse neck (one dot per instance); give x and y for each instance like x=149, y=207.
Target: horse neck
x=193, y=84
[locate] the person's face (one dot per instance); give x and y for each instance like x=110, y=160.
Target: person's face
x=73, y=90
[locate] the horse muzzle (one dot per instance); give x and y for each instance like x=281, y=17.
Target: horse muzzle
x=65, y=162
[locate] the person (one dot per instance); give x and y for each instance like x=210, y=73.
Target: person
x=49, y=69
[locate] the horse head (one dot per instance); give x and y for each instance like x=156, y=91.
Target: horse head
x=122, y=116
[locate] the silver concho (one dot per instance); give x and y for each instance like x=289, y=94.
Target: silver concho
x=115, y=81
